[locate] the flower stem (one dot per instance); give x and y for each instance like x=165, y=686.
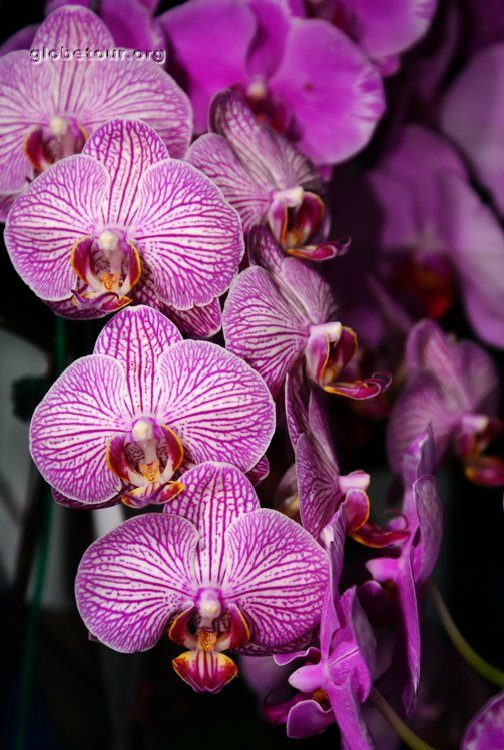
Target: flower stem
x=482, y=667
x=409, y=737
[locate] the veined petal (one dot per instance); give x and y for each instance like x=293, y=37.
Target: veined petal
x=131, y=580
x=136, y=337
x=212, y=154
x=319, y=490
x=140, y=89
x=486, y=729
x=190, y=237
x=279, y=588
x=215, y=494
x=71, y=426
x=203, y=320
x=74, y=27
x=126, y=148
x=59, y=208
x=310, y=289
x=262, y=327
x=344, y=703
x=269, y=158
x=336, y=94
x=219, y=407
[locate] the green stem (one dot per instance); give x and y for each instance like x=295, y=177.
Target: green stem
x=480, y=665
x=407, y=735
x=28, y=658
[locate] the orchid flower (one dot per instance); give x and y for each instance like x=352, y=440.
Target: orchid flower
x=405, y=574
x=275, y=318
x=211, y=570
x=338, y=677
x=121, y=221
x=304, y=76
x=433, y=232
x=264, y=177
x=455, y=389
x=118, y=423
x=49, y=109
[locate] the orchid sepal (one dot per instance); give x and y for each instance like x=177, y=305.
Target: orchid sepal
x=360, y=390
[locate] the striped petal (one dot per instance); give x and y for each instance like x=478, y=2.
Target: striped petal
x=213, y=155
x=134, y=578
x=126, y=148
x=203, y=321
x=190, y=236
x=57, y=210
x=219, y=407
x=214, y=495
x=136, y=337
x=279, y=588
x=319, y=488
x=262, y=327
x=70, y=429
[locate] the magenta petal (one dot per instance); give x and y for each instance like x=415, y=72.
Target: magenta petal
x=203, y=321
x=336, y=93
x=190, y=237
x=71, y=426
x=220, y=30
x=73, y=26
x=307, y=718
x=126, y=148
x=279, y=588
x=131, y=580
x=319, y=489
x=219, y=406
x=136, y=337
x=213, y=155
x=474, y=117
x=262, y=327
x=214, y=495
x=59, y=208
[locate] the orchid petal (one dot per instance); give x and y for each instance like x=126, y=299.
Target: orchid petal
x=71, y=426
x=311, y=290
x=205, y=671
x=134, y=578
x=219, y=407
x=486, y=729
x=307, y=718
x=279, y=588
x=57, y=210
x=261, y=326
x=319, y=490
x=126, y=148
x=190, y=237
x=337, y=94
x=212, y=154
x=203, y=321
x=73, y=26
x=196, y=31
x=136, y=338
x=214, y=495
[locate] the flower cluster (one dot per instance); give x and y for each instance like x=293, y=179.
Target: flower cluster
x=208, y=199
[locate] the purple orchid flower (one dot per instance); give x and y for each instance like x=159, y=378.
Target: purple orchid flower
x=118, y=423
x=211, y=570
x=486, y=729
x=410, y=570
x=49, y=109
x=338, y=677
x=455, y=389
x=274, y=318
x=123, y=220
x=304, y=75
x=265, y=178
x=381, y=31
x=430, y=222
